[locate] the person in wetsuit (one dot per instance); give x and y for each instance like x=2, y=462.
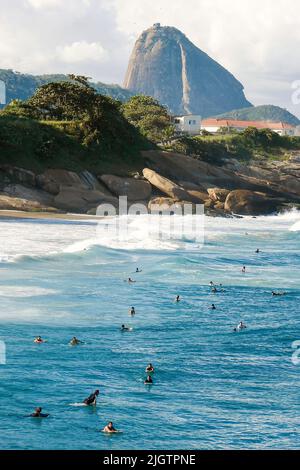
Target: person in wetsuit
x=92, y=399
x=74, y=341
x=148, y=380
x=38, y=414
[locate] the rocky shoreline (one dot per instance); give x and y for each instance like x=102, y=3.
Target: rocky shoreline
x=168, y=179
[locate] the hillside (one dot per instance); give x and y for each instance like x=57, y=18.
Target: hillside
x=167, y=66
x=23, y=86
x=262, y=113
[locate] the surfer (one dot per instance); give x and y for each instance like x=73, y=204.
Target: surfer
x=150, y=369
x=74, y=341
x=241, y=326
x=38, y=414
x=138, y=270
x=131, y=281
x=257, y=251
x=148, y=380
x=213, y=307
x=278, y=294
x=214, y=290
x=109, y=428
x=39, y=340
x=132, y=311
x=125, y=328
x=177, y=299
x=92, y=399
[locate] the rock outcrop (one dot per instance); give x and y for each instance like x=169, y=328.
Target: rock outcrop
x=134, y=189
x=74, y=199
x=166, y=65
x=18, y=204
x=166, y=186
x=30, y=194
x=243, y=202
x=19, y=175
x=53, y=179
x=168, y=205
x=217, y=194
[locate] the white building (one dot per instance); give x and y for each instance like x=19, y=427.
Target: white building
x=190, y=124
x=214, y=126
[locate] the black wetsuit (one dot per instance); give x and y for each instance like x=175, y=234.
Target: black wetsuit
x=91, y=399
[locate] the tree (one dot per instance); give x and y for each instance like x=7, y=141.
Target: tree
x=149, y=116
x=98, y=116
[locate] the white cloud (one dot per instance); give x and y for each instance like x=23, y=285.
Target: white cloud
x=257, y=40
x=44, y=3
x=82, y=51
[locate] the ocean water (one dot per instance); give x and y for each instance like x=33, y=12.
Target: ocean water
x=213, y=388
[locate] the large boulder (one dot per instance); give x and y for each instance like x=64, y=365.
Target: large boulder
x=91, y=182
x=134, y=189
x=244, y=202
x=217, y=194
x=19, y=204
x=52, y=180
x=166, y=186
x=30, y=194
x=82, y=200
x=167, y=204
x=19, y=175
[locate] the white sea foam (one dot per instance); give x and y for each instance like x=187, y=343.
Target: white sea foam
x=37, y=239
x=25, y=291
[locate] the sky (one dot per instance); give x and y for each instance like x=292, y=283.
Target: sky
x=257, y=40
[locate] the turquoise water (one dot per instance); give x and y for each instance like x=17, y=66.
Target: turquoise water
x=213, y=389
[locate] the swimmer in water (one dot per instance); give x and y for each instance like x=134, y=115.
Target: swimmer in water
x=244, y=270
x=211, y=284
x=39, y=340
x=148, y=380
x=132, y=311
x=213, y=307
x=74, y=341
x=257, y=251
x=138, y=270
x=131, y=281
x=38, y=414
x=150, y=369
x=177, y=299
x=125, y=328
x=278, y=294
x=109, y=428
x=241, y=326
x=214, y=290
x=92, y=399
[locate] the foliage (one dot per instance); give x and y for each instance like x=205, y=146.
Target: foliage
x=262, y=113
x=150, y=117
x=99, y=118
x=23, y=86
x=246, y=146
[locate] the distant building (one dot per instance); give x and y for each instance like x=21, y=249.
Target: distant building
x=189, y=124
x=215, y=125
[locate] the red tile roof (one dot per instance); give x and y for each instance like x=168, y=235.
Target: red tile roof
x=245, y=124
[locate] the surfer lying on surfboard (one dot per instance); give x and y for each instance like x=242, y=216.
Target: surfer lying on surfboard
x=92, y=399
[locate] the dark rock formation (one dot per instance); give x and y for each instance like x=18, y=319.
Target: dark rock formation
x=166, y=65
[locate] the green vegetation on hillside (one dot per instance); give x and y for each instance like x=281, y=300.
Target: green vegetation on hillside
x=23, y=86
x=262, y=113
x=252, y=144
x=69, y=125
x=149, y=117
